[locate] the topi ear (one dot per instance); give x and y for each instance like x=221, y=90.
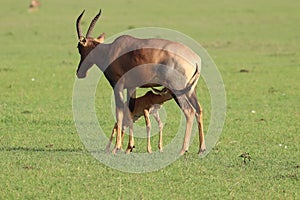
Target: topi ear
x=82, y=39
x=101, y=38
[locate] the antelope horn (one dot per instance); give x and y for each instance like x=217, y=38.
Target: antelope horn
x=93, y=24
x=79, y=32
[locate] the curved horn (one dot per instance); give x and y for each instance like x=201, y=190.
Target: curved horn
x=93, y=24
x=79, y=32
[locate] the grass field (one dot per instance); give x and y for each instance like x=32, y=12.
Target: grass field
x=42, y=156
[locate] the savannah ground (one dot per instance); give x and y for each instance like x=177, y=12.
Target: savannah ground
x=42, y=156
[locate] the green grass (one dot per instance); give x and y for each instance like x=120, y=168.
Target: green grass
x=42, y=156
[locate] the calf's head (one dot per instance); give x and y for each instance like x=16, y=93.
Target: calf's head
x=86, y=44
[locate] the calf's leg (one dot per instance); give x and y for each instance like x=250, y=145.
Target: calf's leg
x=160, y=126
x=148, y=129
x=113, y=133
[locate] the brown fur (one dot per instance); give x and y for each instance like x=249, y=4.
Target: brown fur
x=151, y=62
x=148, y=104
x=145, y=105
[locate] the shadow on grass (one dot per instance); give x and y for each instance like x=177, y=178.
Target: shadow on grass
x=33, y=149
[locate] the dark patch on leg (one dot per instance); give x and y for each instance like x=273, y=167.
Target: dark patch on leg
x=183, y=103
x=176, y=100
x=195, y=103
x=131, y=104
